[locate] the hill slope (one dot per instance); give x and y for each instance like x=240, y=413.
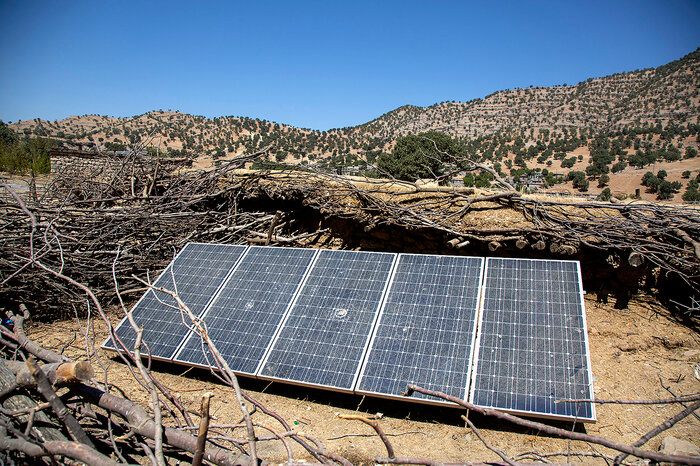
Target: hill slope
x=659, y=106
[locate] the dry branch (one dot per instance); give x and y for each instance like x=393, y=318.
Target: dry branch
x=555, y=431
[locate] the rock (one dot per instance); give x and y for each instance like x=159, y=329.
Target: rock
x=691, y=353
x=673, y=446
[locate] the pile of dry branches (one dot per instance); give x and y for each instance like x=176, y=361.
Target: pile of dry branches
x=80, y=222
x=662, y=236
x=148, y=213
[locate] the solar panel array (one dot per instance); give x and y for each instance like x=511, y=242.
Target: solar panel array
x=504, y=333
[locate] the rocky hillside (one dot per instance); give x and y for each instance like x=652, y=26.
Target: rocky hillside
x=655, y=95
x=653, y=111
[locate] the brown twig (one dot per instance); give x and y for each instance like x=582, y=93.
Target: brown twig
x=374, y=425
x=497, y=451
x=667, y=424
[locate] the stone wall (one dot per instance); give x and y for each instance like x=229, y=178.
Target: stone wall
x=104, y=165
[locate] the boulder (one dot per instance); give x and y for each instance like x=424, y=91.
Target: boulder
x=674, y=446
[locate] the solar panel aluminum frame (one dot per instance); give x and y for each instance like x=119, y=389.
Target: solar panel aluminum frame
x=279, y=325
x=300, y=383
x=589, y=372
x=428, y=401
x=125, y=320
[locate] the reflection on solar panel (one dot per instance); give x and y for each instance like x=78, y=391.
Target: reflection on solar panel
x=426, y=327
x=533, y=348
x=325, y=334
x=198, y=271
x=245, y=315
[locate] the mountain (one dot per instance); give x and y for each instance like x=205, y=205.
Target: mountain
x=647, y=102
x=664, y=94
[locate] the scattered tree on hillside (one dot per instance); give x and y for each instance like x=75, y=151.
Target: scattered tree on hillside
x=579, y=180
x=23, y=156
x=420, y=156
x=667, y=189
x=691, y=193
x=468, y=180
x=651, y=181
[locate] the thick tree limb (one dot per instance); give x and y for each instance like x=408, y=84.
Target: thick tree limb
x=143, y=424
x=74, y=450
x=203, y=429
x=44, y=387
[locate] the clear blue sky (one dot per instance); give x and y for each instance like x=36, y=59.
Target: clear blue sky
x=316, y=64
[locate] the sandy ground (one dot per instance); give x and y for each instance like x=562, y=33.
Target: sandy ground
x=634, y=352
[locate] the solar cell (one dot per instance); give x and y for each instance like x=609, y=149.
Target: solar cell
x=532, y=341
x=325, y=334
x=198, y=271
x=426, y=327
x=247, y=312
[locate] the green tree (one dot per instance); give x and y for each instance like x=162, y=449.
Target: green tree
x=691, y=193
x=468, y=180
x=619, y=166
x=519, y=161
x=420, y=156
x=651, y=181
x=593, y=171
x=26, y=156
x=636, y=160
x=686, y=174
x=579, y=180
x=666, y=190
x=483, y=180
x=568, y=163
x=7, y=136
x=605, y=195
x=37, y=151
x=603, y=180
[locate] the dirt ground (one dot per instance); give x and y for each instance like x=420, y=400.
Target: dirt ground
x=634, y=354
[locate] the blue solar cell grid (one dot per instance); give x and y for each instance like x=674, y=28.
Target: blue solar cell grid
x=248, y=310
x=426, y=328
x=509, y=334
x=198, y=271
x=533, y=347
x=326, y=332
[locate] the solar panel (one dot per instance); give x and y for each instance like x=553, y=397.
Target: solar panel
x=532, y=343
x=198, y=271
x=247, y=312
x=376, y=322
x=325, y=334
x=426, y=328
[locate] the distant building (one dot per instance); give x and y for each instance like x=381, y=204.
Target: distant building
x=350, y=171
x=458, y=179
x=532, y=181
